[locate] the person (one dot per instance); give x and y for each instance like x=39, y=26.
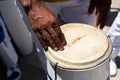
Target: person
x=43, y=15
x=8, y=54
x=15, y=38
x=22, y=37
x=114, y=33
x=44, y=22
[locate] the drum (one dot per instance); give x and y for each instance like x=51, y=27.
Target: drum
x=85, y=57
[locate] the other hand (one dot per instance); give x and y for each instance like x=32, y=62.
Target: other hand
x=45, y=26
x=102, y=9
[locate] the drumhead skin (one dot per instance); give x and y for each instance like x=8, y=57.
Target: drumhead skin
x=86, y=47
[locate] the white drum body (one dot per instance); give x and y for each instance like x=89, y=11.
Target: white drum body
x=96, y=73
x=98, y=69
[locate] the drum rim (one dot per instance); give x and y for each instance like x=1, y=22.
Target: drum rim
x=103, y=61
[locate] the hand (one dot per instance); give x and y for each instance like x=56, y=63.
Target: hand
x=102, y=9
x=45, y=26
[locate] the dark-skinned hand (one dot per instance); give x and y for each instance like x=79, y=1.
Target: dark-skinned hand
x=45, y=26
x=102, y=8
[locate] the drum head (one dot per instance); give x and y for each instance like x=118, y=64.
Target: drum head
x=86, y=45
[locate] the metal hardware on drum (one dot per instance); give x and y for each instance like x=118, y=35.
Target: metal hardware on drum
x=56, y=65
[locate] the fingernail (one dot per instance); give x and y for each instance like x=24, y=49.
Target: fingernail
x=61, y=48
x=55, y=48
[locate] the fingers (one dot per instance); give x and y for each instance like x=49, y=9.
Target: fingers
x=96, y=22
x=91, y=7
x=42, y=41
x=56, y=38
x=102, y=10
x=101, y=17
x=49, y=39
x=60, y=34
x=100, y=20
x=104, y=13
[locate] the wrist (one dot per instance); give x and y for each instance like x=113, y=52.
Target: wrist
x=34, y=1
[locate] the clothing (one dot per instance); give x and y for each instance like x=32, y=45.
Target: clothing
x=114, y=33
x=73, y=11
x=14, y=16
x=17, y=24
x=7, y=51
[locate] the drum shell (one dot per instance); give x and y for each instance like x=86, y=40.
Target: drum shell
x=100, y=72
